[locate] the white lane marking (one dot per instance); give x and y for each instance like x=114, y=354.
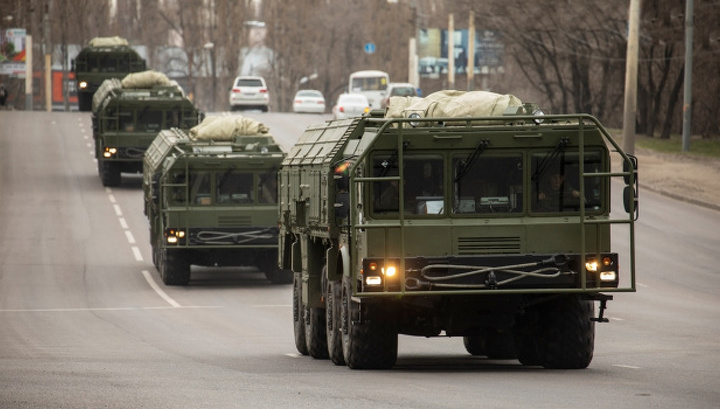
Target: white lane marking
x=627, y=366
x=106, y=309
x=137, y=254
x=130, y=237
x=159, y=290
x=273, y=306
x=123, y=223
x=118, y=211
x=112, y=198
x=295, y=355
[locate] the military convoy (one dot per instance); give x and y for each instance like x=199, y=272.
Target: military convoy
x=129, y=113
x=210, y=196
x=468, y=215
x=103, y=58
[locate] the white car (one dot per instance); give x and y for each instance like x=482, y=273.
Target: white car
x=398, y=89
x=309, y=100
x=350, y=106
x=249, y=92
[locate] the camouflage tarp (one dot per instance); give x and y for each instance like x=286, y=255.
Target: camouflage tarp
x=226, y=128
x=145, y=79
x=108, y=41
x=452, y=104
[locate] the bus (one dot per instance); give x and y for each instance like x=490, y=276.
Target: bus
x=371, y=83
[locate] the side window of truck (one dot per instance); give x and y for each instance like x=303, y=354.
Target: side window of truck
x=555, y=185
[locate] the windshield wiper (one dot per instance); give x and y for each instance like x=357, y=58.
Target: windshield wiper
x=467, y=164
x=549, y=159
x=387, y=164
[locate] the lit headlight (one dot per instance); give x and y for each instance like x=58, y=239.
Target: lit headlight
x=173, y=236
x=82, y=84
x=608, y=276
x=389, y=271
x=373, y=280
x=109, y=152
x=591, y=265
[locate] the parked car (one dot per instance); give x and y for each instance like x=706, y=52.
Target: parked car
x=249, y=92
x=309, y=100
x=350, y=105
x=398, y=89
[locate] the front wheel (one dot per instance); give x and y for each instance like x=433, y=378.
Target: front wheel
x=174, y=268
x=109, y=173
x=369, y=335
x=568, y=333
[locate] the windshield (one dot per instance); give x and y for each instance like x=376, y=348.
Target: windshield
x=488, y=183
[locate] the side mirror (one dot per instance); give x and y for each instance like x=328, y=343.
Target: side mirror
x=630, y=193
x=630, y=201
x=634, y=161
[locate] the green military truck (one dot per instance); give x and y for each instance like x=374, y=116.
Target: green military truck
x=211, y=198
x=103, y=58
x=128, y=114
x=444, y=217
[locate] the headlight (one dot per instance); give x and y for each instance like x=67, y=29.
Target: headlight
x=109, y=152
x=414, y=115
x=174, y=236
x=82, y=84
x=376, y=273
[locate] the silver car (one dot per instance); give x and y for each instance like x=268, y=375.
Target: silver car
x=249, y=92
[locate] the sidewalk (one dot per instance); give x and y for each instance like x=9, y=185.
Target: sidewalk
x=684, y=177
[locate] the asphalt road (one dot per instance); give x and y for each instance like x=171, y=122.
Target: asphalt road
x=85, y=321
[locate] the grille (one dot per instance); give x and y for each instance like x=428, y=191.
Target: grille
x=488, y=245
x=234, y=221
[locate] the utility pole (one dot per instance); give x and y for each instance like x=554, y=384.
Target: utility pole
x=451, y=51
x=48, y=58
x=631, y=64
x=471, y=53
x=28, y=73
x=687, y=92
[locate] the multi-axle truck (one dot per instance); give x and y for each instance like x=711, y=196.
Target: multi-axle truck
x=468, y=215
x=103, y=58
x=129, y=113
x=211, y=198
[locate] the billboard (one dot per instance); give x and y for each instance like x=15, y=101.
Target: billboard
x=433, y=51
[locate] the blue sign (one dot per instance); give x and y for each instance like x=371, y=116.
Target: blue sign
x=369, y=48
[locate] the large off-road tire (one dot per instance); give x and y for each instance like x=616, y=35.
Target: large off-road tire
x=474, y=345
x=109, y=173
x=298, y=316
x=333, y=322
x=370, y=337
x=568, y=331
x=84, y=101
x=174, y=268
x=315, y=337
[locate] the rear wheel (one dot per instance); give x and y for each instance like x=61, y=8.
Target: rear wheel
x=333, y=328
x=298, y=317
x=175, y=268
x=369, y=335
x=496, y=344
x=315, y=332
